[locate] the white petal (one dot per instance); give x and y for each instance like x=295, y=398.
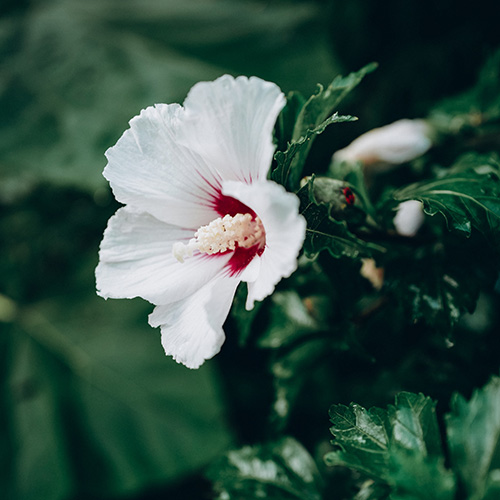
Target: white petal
x=285, y=232
x=191, y=329
x=150, y=169
x=135, y=260
x=231, y=123
x=409, y=218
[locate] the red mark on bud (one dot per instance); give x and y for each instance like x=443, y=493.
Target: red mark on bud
x=349, y=196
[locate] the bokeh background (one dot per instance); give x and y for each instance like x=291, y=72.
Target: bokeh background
x=89, y=405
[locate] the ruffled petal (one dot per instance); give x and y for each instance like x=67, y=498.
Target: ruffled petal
x=285, y=232
x=148, y=168
x=191, y=329
x=230, y=122
x=135, y=260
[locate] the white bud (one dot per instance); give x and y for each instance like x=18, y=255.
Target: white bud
x=399, y=142
x=409, y=218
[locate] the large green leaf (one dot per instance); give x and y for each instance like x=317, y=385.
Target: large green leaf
x=399, y=446
x=473, y=430
x=75, y=72
x=282, y=470
x=90, y=404
x=467, y=195
x=95, y=408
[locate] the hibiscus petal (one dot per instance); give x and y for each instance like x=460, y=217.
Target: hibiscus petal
x=285, y=232
x=191, y=329
x=149, y=168
x=232, y=121
x=135, y=260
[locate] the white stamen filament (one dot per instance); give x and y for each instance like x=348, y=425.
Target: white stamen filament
x=223, y=234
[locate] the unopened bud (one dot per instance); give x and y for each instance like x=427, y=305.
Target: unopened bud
x=399, y=142
x=409, y=218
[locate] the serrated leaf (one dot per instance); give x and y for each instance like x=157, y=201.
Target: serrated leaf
x=440, y=296
x=399, y=446
x=283, y=470
x=414, y=423
x=363, y=439
x=320, y=105
x=473, y=430
x=290, y=163
x=287, y=119
x=467, y=195
x=314, y=116
x=418, y=477
x=325, y=233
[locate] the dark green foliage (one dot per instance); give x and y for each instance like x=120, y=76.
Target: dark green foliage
x=473, y=430
x=282, y=470
x=467, y=195
x=97, y=65
x=89, y=406
x=324, y=231
x=291, y=162
x=309, y=118
x=401, y=446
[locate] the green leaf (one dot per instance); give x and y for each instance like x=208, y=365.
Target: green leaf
x=475, y=108
x=312, y=117
x=59, y=113
x=321, y=105
x=324, y=232
x=290, y=163
x=370, y=490
x=448, y=287
x=467, y=195
x=293, y=317
x=473, y=430
x=399, y=446
x=287, y=119
x=292, y=371
x=415, y=476
x=95, y=408
x=363, y=439
x=282, y=470
x=414, y=423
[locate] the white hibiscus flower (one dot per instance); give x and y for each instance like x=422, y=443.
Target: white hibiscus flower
x=199, y=214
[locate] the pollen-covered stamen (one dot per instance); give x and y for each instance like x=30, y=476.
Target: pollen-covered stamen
x=223, y=234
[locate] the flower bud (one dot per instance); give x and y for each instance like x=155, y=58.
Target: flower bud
x=409, y=218
x=399, y=142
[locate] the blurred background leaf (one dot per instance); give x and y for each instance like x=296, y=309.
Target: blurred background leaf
x=74, y=73
x=92, y=408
